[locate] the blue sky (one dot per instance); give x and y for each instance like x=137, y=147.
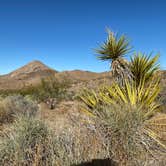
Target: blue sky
x=64, y=33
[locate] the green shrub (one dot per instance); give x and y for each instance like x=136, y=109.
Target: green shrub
x=52, y=88
x=48, y=88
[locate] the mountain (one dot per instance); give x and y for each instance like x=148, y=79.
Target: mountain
x=32, y=73
x=80, y=75
x=32, y=67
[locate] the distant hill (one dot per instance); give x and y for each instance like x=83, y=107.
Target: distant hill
x=32, y=67
x=28, y=75
x=32, y=73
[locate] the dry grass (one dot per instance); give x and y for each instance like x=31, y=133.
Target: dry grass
x=15, y=105
x=61, y=137
x=76, y=132
x=27, y=142
x=129, y=142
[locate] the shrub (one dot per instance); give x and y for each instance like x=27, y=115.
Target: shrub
x=123, y=127
x=12, y=106
x=28, y=142
x=52, y=88
x=49, y=87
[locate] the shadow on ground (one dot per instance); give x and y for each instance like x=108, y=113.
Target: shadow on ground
x=98, y=162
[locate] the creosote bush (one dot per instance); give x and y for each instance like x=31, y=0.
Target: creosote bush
x=52, y=88
x=49, y=87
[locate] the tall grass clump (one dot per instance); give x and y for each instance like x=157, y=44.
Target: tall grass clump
x=28, y=142
x=12, y=106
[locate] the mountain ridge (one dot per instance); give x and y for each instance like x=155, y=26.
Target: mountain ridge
x=32, y=73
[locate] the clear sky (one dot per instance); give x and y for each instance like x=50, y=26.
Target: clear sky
x=63, y=33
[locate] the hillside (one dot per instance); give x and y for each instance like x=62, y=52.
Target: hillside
x=32, y=73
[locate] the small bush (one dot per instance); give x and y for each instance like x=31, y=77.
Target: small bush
x=12, y=106
x=52, y=88
x=29, y=143
x=123, y=129
x=131, y=140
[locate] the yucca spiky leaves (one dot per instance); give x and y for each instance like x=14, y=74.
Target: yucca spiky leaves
x=90, y=98
x=113, y=50
x=143, y=67
x=114, y=47
x=142, y=97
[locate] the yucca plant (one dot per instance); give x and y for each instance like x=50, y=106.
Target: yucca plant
x=90, y=98
x=113, y=50
x=142, y=97
x=127, y=109
x=128, y=112
x=144, y=68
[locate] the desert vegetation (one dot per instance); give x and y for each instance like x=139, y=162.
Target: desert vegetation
x=49, y=89
x=128, y=107
x=16, y=105
x=122, y=123
x=27, y=140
